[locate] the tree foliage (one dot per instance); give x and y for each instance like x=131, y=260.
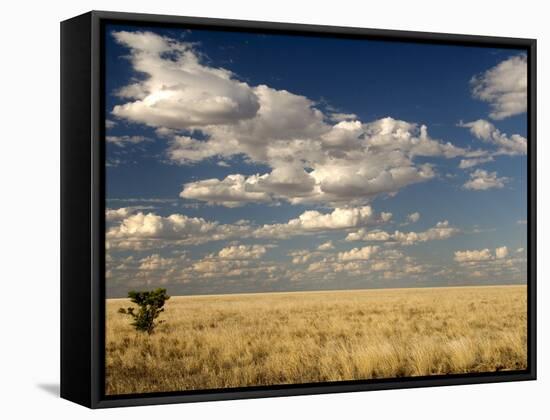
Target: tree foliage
x=150, y=305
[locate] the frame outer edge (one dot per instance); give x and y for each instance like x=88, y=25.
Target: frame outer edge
x=97, y=210
x=76, y=305
x=98, y=400
x=532, y=206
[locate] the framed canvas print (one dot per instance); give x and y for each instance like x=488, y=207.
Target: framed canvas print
x=256, y=209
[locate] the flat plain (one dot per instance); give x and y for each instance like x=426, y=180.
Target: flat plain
x=226, y=341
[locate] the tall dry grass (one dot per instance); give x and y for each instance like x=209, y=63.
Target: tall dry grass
x=289, y=338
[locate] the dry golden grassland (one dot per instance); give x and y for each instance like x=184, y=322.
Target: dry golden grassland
x=287, y=338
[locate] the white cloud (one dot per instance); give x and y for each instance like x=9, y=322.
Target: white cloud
x=442, y=230
x=343, y=135
x=178, y=91
x=220, y=268
x=240, y=252
x=487, y=132
x=151, y=225
x=413, y=217
x=340, y=116
x=143, y=231
x=113, y=163
x=110, y=123
x=244, y=264
x=320, y=266
x=185, y=149
x=389, y=134
x=385, y=216
x=381, y=266
x=246, y=270
x=481, y=180
x=313, y=221
x=117, y=214
x=326, y=246
x=470, y=163
x=155, y=262
x=122, y=141
x=301, y=256
x=235, y=190
x=206, y=112
x=358, y=253
x=504, y=87
x=337, y=167
x=481, y=255
x=365, y=235
x=501, y=252
x=365, y=263
x=473, y=255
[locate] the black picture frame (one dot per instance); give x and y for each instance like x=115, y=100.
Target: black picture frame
x=83, y=209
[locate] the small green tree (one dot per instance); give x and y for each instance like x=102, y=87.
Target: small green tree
x=150, y=305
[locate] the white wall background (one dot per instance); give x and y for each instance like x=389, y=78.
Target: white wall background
x=29, y=229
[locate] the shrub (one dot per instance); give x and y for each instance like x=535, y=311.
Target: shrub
x=150, y=305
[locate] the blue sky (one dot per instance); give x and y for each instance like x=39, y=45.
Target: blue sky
x=232, y=157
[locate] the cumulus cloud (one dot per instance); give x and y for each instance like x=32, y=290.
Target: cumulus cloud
x=142, y=231
x=501, y=252
x=109, y=123
x=122, y=141
x=504, y=87
x=413, y=217
x=179, y=269
x=381, y=266
x=470, y=163
x=245, y=266
x=487, y=132
x=473, y=255
x=365, y=263
x=184, y=149
x=240, y=252
x=389, y=134
x=208, y=268
x=341, y=166
x=358, y=253
x=385, y=216
x=442, y=230
x=313, y=221
x=326, y=246
x=365, y=235
x=178, y=91
x=206, y=112
x=302, y=256
x=481, y=180
x=115, y=215
x=233, y=191
x=155, y=262
x=340, y=116
x=151, y=225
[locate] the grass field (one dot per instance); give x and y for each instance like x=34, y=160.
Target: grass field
x=282, y=338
